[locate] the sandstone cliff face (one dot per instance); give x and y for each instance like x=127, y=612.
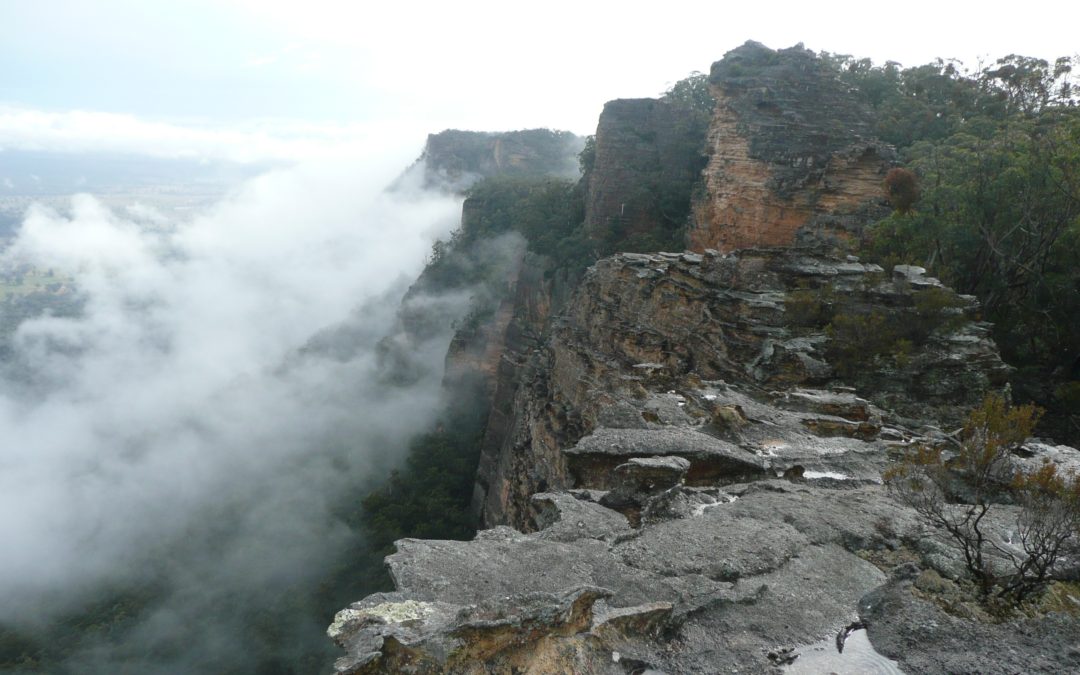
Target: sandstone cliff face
x=682, y=461
x=643, y=330
x=791, y=155
x=649, y=154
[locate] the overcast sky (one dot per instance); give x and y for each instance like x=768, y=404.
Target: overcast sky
x=281, y=78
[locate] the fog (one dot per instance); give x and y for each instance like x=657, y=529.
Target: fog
x=180, y=439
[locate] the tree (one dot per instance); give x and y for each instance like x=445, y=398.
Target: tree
x=692, y=92
x=999, y=206
x=902, y=189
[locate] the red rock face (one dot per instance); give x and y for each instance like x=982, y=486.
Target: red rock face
x=741, y=209
x=791, y=155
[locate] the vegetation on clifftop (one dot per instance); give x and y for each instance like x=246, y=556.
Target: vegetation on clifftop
x=996, y=209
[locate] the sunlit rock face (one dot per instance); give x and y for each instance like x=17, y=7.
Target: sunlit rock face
x=792, y=158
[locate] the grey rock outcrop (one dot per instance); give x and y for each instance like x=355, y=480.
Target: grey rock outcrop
x=693, y=476
x=453, y=158
x=681, y=470
x=709, y=592
x=744, y=364
x=923, y=638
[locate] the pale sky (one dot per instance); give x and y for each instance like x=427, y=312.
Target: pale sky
x=284, y=78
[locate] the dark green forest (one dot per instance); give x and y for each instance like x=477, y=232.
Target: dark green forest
x=989, y=201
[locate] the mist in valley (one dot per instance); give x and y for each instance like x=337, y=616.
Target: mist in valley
x=181, y=454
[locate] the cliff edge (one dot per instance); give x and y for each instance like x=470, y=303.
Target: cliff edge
x=681, y=467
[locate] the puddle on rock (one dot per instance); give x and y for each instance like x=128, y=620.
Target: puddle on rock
x=858, y=658
x=835, y=475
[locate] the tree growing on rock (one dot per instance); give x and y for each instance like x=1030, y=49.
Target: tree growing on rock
x=902, y=189
x=954, y=492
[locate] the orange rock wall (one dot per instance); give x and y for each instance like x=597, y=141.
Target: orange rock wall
x=740, y=209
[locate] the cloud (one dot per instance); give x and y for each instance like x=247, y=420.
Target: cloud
x=24, y=128
x=181, y=432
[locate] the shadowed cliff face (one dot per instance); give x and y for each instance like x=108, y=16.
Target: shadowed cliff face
x=455, y=158
x=792, y=158
x=648, y=158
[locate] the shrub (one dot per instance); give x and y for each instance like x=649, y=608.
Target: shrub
x=956, y=494
x=902, y=189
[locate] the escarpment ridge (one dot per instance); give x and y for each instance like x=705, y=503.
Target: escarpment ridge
x=681, y=465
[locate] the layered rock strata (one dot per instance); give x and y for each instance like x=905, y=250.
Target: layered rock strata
x=453, y=158
x=625, y=368
x=792, y=158
x=692, y=485
x=656, y=575
x=681, y=468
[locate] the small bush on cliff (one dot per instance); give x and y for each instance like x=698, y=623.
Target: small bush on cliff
x=855, y=339
x=809, y=306
x=956, y=493
x=936, y=310
x=902, y=189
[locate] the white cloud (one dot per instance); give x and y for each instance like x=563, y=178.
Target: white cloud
x=182, y=393
x=90, y=131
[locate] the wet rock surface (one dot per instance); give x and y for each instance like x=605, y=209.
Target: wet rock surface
x=710, y=591
x=682, y=466
x=686, y=483
x=924, y=639
x=735, y=363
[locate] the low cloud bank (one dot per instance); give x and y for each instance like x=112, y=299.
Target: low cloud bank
x=181, y=434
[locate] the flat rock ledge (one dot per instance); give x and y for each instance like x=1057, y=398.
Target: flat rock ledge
x=713, y=585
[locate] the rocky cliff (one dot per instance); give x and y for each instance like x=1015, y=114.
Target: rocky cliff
x=648, y=156
x=681, y=465
x=791, y=155
x=702, y=488
x=454, y=158
x=642, y=330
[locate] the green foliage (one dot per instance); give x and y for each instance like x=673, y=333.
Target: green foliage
x=956, y=494
x=933, y=101
x=547, y=212
x=692, y=92
x=429, y=497
x=808, y=307
x=936, y=310
x=858, y=339
x=997, y=213
x=999, y=218
x=587, y=156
